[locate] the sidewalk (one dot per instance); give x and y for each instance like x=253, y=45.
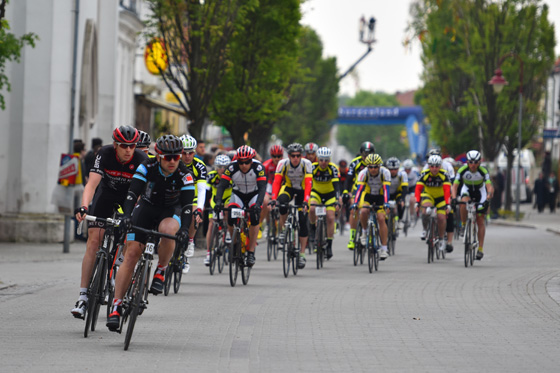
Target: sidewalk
x=532, y=219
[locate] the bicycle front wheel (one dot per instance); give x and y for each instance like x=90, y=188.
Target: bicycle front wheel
x=245, y=270
x=94, y=290
x=177, y=271
x=138, y=285
x=286, y=251
x=320, y=244
x=357, y=244
x=296, y=247
x=168, y=278
x=235, y=255
x=467, y=241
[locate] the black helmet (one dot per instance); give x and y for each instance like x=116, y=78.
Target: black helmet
x=434, y=151
x=125, y=134
x=169, y=144
x=295, y=148
x=367, y=147
x=144, y=139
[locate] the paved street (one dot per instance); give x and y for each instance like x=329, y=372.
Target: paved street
x=500, y=315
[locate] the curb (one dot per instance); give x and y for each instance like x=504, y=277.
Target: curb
x=513, y=224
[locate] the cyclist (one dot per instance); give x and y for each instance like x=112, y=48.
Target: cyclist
x=248, y=180
x=478, y=187
x=325, y=191
x=448, y=167
x=373, y=184
x=342, y=175
x=276, y=154
x=166, y=190
x=311, y=151
x=144, y=143
x=356, y=166
x=199, y=172
x=399, y=186
x=293, y=180
x=107, y=185
x=221, y=162
x=433, y=189
x=412, y=174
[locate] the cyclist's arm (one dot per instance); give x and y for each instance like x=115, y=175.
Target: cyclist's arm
x=222, y=186
x=276, y=185
x=386, y=194
x=91, y=186
x=447, y=192
x=489, y=189
x=454, y=189
x=186, y=198
x=308, y=184
x=136, y=186
x=261, y=184
x=418, y=191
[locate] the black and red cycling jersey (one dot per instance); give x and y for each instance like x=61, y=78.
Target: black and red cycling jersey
x=269, y=170
x=116, y=176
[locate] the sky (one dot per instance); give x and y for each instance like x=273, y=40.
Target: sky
x=389, y=67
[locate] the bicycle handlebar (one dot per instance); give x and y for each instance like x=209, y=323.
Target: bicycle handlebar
x=116, y=223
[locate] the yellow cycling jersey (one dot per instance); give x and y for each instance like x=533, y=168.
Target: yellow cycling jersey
x=325, y=180
x=212, y=185
x=434, y=185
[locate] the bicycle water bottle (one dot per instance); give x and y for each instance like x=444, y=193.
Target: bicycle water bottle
x=244, y=242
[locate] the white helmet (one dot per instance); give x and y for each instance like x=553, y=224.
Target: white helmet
x=189, y=142
x=324, y=152
x=473, y=155
x=434, y=160
x=449, y=160
x=408, y=164
x=222, y=160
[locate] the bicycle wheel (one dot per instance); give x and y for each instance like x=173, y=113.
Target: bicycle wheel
x=467, y=241
x=474, y=243
x=110, y=289
x=245, y=270
x=286, y=251
x=234, y=257
x=430, y=242
x=94, y=289
x=138, y=284
x=319, y=242
x=220, y=256
x=296, y=247
x=168, y=278
x=178, y=270
x=214, y=245
x=370, y=245
x=357, y=244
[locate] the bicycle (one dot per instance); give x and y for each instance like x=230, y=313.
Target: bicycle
x=321, y=232
x=373, y=239
x=100, y=289
x=136, y=297
x=272, y=235
x=359, y=249
x=392, y=227
x=174, y=269
x=239, y=245
x=217, y=244
x=432, y=237
x=291, y=245
x=470, y=238
x=406, y=215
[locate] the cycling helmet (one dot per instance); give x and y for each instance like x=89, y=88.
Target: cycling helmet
x=245, y=152
x=189, y=142
x=473, y=155
x=295, y=148
x=434, y=151
x=144, y=140
x=276, y=150
x=125, y=134
x=222, y=160
x=342, y=163
x=311, y=148
x=449, y=160
x=393, y=163
x=324, y=152
x=434, y=160
x=367, y=147
x=408, y=164
x=373, y=159
x=232, y=154
x=169, y=144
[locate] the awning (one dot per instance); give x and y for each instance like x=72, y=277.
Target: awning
x=160, y=104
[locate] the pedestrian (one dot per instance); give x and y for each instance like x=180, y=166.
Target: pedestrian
x=552, y=187
x=499, y=186
x=200, y=150
x=540, y=192
x=96, y=144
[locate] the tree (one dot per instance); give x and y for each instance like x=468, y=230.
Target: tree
x=387, y=139
x=195, y=35
x=313, y=104
x=256, y=89
x=10, y=49
x=462, y=42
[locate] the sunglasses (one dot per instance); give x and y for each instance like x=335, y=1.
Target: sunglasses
x=324, y=160
x=473, y=162
x=432, y=166
x=276, y=156
x=171, y=157
x=295, y=155
x=189, y=153
x=124, y=146
x=371, y=167
x=244, y=162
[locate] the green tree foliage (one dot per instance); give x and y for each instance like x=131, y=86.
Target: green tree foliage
x=256, y=89
x=462, y=42
x=10, y=49
x=387, y=139
x=196, y=36
x=313, y=104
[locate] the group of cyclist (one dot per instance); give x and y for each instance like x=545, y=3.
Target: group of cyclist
x=170, y=189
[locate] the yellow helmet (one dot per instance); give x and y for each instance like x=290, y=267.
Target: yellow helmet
x=373, y=159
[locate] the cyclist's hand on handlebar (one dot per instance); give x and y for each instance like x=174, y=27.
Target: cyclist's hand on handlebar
x=417, y=207
x=198, y=215
x=354, y=206
x=218, y=208
x=448, y=208
x=386, y=205
x=126, y=223
x=257, y=210
x=182, y=237
x=345, y=198
x=454, y=203
x=81, y=213
x=271, y=205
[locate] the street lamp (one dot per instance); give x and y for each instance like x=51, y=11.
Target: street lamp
x=498, y=82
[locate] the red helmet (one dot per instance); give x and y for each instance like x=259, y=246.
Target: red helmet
x=276, y=150
x=126, y=134
x=245, y=152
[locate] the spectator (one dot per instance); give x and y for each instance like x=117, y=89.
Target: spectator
x=96, y=144
x=499, y=186
x=552, y=187
x=200, y=150
x=540, y=192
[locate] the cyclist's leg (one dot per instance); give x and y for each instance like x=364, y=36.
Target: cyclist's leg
x=480, y=197
x=383, y=229
x=284, y=197
x=426, y=201
x=354, y=219
x=441, y=218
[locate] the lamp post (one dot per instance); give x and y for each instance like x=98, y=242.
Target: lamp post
x=498, y=82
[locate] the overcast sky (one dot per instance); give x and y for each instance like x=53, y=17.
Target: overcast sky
x=390, y=67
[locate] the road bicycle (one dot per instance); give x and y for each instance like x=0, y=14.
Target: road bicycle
x=101, y=285
x=272, y=234
x=218, y=246
x=470, y=238
x=321, y=232
x=135, y=300
x=239, y=245
x=432, y=236
x=174, y=270
x=290, y=244
x=392, y=228
x=373, y=239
